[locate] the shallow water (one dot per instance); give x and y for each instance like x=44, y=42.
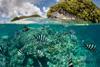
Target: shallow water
x=87, y=34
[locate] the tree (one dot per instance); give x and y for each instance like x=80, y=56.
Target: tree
x=85, y=9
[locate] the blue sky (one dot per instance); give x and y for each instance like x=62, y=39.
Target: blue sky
x=12, y=8
x=97, y=2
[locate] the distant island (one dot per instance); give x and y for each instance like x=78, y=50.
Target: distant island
x=23, y=17
x=75, y=9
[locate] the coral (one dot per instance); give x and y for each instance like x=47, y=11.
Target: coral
x=44, y=47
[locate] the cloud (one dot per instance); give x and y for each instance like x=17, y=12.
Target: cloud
x=26, y=9
x=45, y=10
x=12, y=8
x=57, y=0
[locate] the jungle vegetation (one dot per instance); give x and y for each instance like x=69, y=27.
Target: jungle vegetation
x=83, y=9
x=23, y=17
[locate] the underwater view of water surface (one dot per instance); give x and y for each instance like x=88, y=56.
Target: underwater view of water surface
x=49, y=45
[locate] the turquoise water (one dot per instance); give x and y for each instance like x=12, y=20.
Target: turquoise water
x=11, y=33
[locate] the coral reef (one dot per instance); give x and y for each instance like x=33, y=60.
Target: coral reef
x=42, y=47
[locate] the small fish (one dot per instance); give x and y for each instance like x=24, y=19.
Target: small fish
x=17, y=32
x=41, y=38
x=70, y=62
x=1, y=49
x=91, y=47
x=72, y=32
x=65, y=33
x=25, y=29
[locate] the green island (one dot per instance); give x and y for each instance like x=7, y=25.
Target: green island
x=22, y=17
x=78, y=9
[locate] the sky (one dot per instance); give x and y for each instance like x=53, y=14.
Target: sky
x=97, y=2
x=13, y=8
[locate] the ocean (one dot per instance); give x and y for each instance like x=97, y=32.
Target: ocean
x=84, y=33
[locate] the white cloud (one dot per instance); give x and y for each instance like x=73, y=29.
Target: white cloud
x=12, y=8
x=57, y=0
x=26, y=9
x=45, y=10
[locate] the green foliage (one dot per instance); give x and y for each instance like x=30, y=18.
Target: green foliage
x=83, y=9
x=23, y=17
x=15, y=18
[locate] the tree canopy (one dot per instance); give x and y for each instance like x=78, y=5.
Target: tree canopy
x=83, y=9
